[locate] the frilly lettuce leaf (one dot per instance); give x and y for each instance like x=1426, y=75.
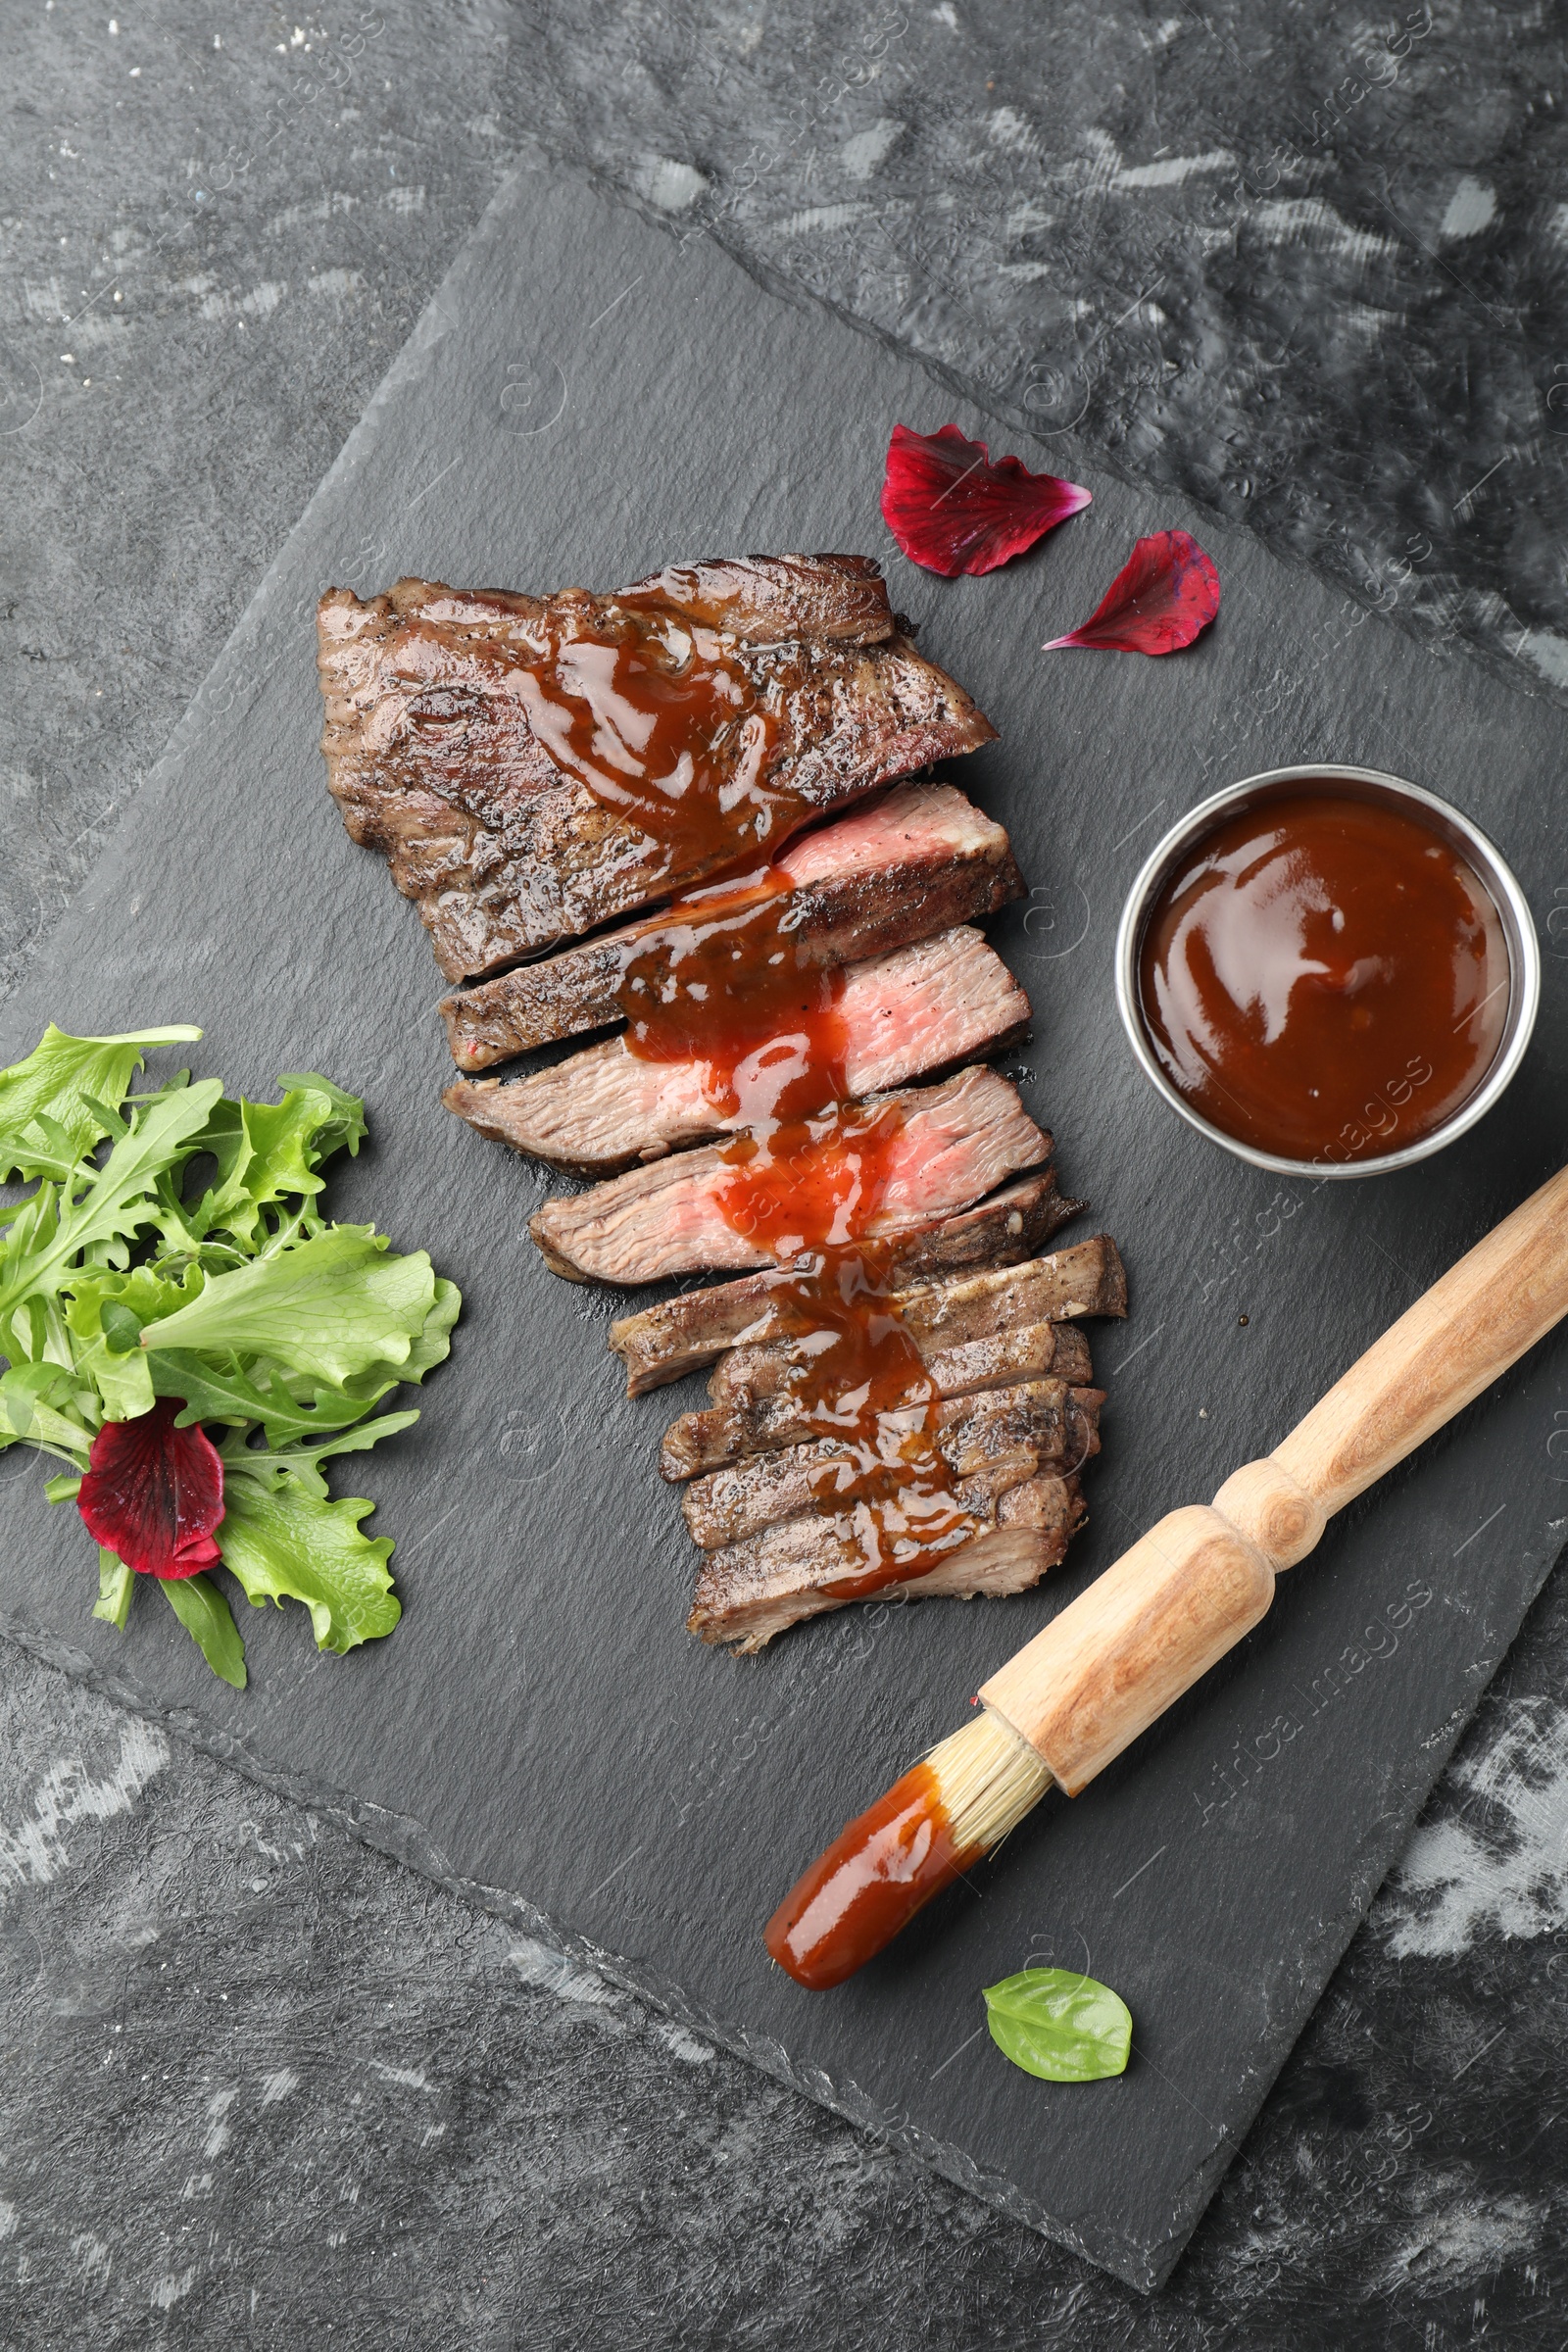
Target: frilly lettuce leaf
x=270, y=1153
x=330, y=1308
x=65, y=1079
x=282, y=1544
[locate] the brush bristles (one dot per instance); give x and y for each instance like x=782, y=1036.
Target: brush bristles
x=989, y=1779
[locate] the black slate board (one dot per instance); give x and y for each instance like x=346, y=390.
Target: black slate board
x=587, y=397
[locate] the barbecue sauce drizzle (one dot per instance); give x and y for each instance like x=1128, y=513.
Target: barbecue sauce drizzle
x=725, y=987
x=653, y=713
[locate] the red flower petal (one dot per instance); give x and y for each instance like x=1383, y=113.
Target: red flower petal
x=954, y=510
x=154, y=1493
x=1163, y=596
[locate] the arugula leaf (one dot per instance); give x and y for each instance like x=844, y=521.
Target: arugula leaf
x=62, y=1079
x=235, y=1393
x=205, y=1614
x=328, y=1307
x=116, y=1587
x=1059, y=2026
x=282, y=1544
x=52, y=1227
x=304, y=1462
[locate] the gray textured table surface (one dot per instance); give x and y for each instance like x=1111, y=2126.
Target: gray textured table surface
x=260, y=2085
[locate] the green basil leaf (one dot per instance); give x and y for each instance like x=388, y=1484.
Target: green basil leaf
x=205, y=1614
x=1059, y=2026
x=58, y=1078
x=284, y=1543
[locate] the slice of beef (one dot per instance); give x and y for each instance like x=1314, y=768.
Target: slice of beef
x=767, y=600
x=681, y=1334
x=911, y=1014
x=953, y=1323
x=1042, y=1423
x=917, y=861
x=433, y=761
x=760, y=1413
x=957, y=1141
x=748, y=1591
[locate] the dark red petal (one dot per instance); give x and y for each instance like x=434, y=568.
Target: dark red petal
x=1165, y=594
x=153, y=1494
x=953, y=508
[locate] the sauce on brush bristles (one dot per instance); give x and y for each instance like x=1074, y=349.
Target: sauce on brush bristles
x=928, y=1829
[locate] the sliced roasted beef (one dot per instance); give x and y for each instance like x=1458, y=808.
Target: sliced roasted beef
x=751, y=1591
x=963, y=1327
x=919, y=860
x=432, y=759
x=911, y=1014
x=681, y=1334
x=955, y=1144
x=757, y=1413
x=1056, y=1428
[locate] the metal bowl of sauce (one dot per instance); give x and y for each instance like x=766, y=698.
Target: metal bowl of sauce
x=1328, y=970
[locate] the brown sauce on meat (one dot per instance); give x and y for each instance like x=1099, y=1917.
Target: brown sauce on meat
x=655, y=717
x=804, y=1179
x=1324, y=978
x=870, y=1883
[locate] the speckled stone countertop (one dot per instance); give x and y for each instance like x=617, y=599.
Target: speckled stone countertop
x=261, y=2085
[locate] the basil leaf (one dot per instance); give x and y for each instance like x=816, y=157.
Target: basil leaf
x=1059, y=2026
x=57, y=1079
x=204, y=1613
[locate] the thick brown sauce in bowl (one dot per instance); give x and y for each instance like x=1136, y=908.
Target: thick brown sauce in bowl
x=1323, y=977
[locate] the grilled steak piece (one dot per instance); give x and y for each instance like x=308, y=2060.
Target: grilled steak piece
x=920, y=1010
x=433, y=759
x=1006, y=1434
x=960, y=1326
x=665, y=1343
x=760, y=1410
x=957, y=1141
x=748, y=1591
x=919, y=860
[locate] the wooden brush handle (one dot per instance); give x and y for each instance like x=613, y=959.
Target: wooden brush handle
x=1143, y=1633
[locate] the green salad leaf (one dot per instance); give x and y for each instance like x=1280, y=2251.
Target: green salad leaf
x=207, y=1619
x=284, y=1543
x=1059, y=2026
x=64, y=1080
x=330, y=1306
x=175, y=1248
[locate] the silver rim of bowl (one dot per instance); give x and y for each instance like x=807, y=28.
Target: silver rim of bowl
x=1493, y=869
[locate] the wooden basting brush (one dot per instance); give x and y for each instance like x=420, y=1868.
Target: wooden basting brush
x=1116, y=1657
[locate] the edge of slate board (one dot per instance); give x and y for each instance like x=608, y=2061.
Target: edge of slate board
x=1141, y=2265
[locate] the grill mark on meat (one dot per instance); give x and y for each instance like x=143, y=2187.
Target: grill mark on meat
x=1005, y=1437
x=923, y=1010
x=748, y=1591
x=664, y=1342
x=759, y=1414
x=433, y=761
x=921, y=859
x=957, y=1141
